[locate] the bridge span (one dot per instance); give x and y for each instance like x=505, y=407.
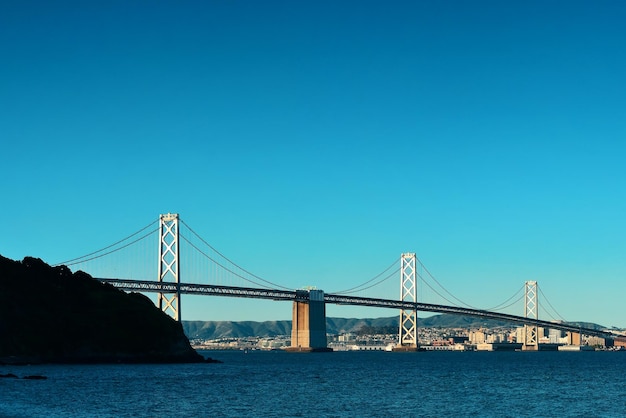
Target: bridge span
x=309, y=306
x=304, y=296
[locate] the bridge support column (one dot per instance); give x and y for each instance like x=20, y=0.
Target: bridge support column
x=531, y=307
x=169, y=265
x=407, y=338
x=308, y=327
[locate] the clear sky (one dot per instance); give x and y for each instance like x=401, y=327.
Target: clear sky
x=313, y=142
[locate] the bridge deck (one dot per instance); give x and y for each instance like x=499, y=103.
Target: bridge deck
x=303, y=295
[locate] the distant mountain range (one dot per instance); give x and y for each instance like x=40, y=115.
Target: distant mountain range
x=209, y=330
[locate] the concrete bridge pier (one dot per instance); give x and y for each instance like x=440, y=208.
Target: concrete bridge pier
x=308, y=326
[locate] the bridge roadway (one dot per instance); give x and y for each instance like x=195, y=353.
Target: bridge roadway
x=303, y=296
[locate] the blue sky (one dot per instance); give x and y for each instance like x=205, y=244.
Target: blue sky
x=313, y=142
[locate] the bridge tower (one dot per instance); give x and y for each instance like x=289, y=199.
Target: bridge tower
x=169, y=264
x=407, y=338
x=531, y=307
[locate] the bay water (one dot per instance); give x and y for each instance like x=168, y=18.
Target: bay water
x=339, y=384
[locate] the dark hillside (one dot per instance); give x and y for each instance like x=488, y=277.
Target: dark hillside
x=49, y=314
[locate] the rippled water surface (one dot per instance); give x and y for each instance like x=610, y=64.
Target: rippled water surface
x=279, y=384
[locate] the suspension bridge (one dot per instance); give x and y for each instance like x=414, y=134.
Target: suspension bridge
x=134, y=271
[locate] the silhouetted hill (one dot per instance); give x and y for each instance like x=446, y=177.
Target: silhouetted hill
x=49, y=314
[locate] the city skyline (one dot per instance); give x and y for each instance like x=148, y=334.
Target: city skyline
x=313, y=143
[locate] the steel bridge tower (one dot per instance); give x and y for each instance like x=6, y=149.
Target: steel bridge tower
x=408, y=292
x=531, y=309
x=169, y=264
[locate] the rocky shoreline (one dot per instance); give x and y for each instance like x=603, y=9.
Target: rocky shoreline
x=27, y=377
x=30, y=360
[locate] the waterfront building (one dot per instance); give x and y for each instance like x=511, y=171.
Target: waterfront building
x=620, y=342
x=477, y=337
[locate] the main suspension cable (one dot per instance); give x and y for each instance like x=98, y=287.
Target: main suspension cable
x=393, y=273
x=108, y=252
x=75, y=260
x=550, y=305
x=507, y=306
x=500, y=307
x=227, y=259
x=358, y=288
x=435, y=290
x=440, y=285
x=229, y=270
